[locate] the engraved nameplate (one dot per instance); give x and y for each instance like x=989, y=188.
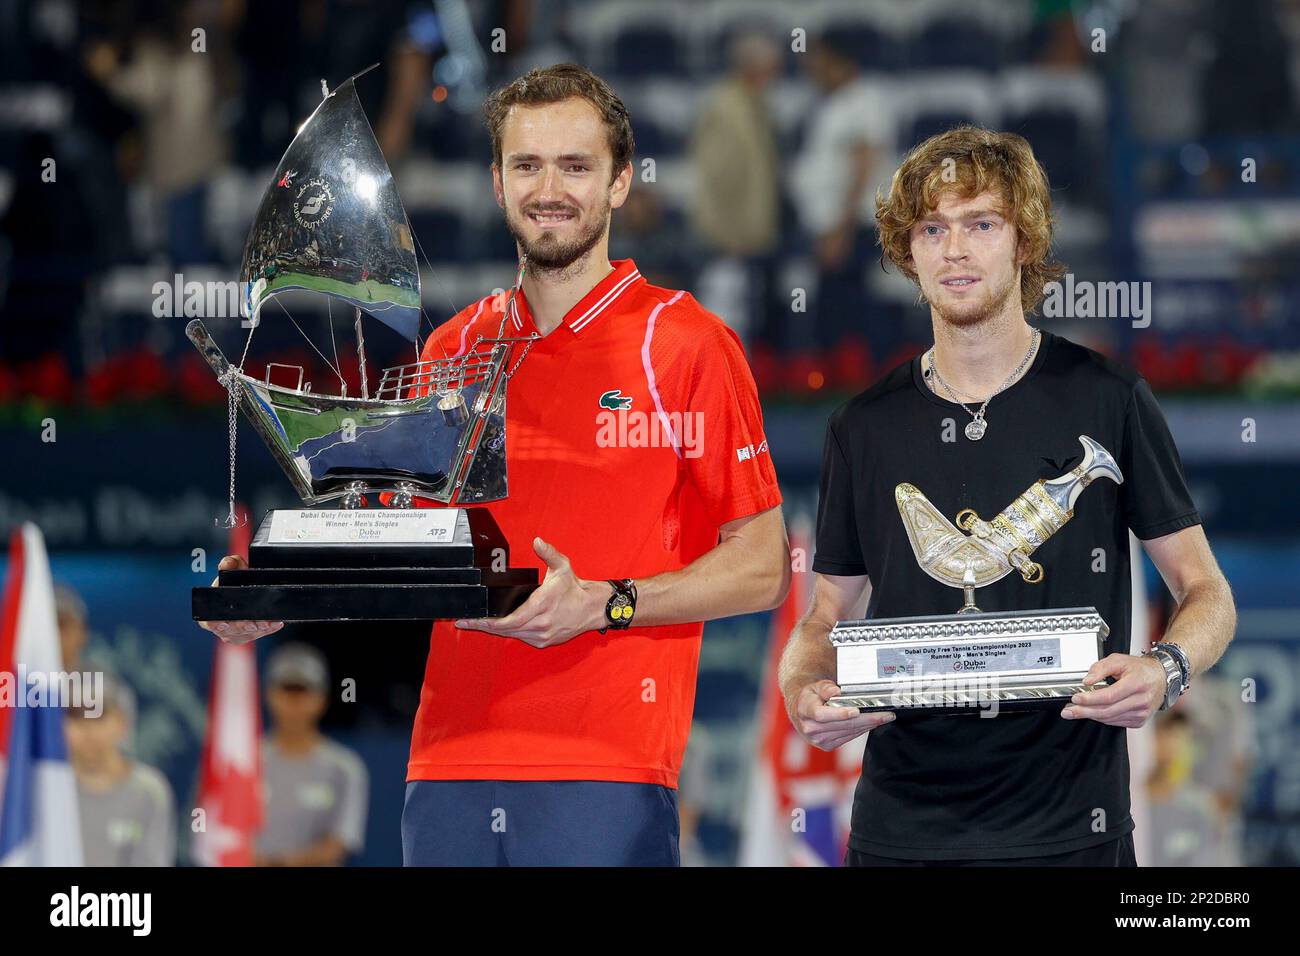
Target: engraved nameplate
x=363, y=526
x=990, y=656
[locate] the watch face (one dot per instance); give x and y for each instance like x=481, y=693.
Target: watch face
x=620, y=609
x=1171, y=687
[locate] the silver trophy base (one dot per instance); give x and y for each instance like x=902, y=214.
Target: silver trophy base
x=967, y=662
x=938, y=701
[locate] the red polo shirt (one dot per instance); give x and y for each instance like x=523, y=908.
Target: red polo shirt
x=633, y=432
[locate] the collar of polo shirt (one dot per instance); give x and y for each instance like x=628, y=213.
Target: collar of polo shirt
x=590, y=307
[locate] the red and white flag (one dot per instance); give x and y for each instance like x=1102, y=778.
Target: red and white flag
x=230, y=774
x=800, y=798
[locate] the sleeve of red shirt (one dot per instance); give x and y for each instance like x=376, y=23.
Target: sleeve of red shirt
x=726, y=456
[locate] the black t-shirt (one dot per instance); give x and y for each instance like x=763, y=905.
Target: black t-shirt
x=1022, y=784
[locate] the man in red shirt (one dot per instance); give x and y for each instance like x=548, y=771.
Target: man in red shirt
x=640, y=474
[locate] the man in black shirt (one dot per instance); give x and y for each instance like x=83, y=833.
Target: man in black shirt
x=991, y=408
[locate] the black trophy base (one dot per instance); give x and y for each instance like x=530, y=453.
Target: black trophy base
x=370, y=582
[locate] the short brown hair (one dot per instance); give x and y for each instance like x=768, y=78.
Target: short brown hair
x=554, y=84
x=968, y=160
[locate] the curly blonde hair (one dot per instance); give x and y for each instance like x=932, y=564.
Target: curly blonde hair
x=967, y=160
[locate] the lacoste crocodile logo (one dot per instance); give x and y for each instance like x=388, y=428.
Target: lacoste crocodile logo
x=615, y=399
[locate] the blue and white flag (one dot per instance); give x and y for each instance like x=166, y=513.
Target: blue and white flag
x=39, y=823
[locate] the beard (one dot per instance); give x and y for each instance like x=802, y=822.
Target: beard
x=548, y=251
x=971, y=314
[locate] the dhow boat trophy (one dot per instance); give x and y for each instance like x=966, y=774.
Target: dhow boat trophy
x=975, y=660
x=331, y=223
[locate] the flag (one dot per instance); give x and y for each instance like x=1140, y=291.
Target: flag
x=230, y=776
x=800, y=798
x=39, y=822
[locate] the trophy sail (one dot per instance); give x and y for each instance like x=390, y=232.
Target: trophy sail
x=331, y=223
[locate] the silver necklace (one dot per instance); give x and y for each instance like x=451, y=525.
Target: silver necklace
x=977, y=426
x=501, y=331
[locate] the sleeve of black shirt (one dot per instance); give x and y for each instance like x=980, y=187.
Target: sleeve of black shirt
x=838, y=550
x=1154, y=495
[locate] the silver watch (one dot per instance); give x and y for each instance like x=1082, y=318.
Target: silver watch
x=1174, y=686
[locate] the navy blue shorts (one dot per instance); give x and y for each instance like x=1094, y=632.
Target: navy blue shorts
x=538, y=823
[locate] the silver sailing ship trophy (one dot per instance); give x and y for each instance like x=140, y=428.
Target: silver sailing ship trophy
x=975, y=660
x=331, y=223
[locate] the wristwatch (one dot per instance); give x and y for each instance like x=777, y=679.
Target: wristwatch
x=1177, y=671
x=621, y=607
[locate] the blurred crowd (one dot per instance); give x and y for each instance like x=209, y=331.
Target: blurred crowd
x=315, y=791
x=136, y=137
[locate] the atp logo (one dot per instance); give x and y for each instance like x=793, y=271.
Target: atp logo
x=615, y=400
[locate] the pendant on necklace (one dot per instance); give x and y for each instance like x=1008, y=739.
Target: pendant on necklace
x=976, y=428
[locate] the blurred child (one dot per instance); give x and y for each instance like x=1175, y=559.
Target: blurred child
x=128, y=815
x=1185, y=829
x=316, y=789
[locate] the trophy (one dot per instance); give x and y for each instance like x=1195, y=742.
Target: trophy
x=331, y=223
x=971, y=660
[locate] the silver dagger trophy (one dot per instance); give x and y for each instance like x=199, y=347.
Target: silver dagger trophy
x=331, y=225
x=974, y=659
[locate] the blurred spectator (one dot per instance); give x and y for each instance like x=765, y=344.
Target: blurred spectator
x=128, y=815
x=736, y=208
x=48, y=241
x=1248, y=41
x=274, y=39
x=1055, y=35
x=316, y=790
x=850, y=138
x=70, y=612
x=692, y=793
x=660, y=254
x=408, y=88
x=174, y=88
x=1163, y=82
x=1184, y=817
x=1225, y=750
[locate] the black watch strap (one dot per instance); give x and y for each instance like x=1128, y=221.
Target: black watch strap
x=621, y=607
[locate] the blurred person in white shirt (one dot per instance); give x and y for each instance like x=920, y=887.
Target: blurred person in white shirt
x=847, y=155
